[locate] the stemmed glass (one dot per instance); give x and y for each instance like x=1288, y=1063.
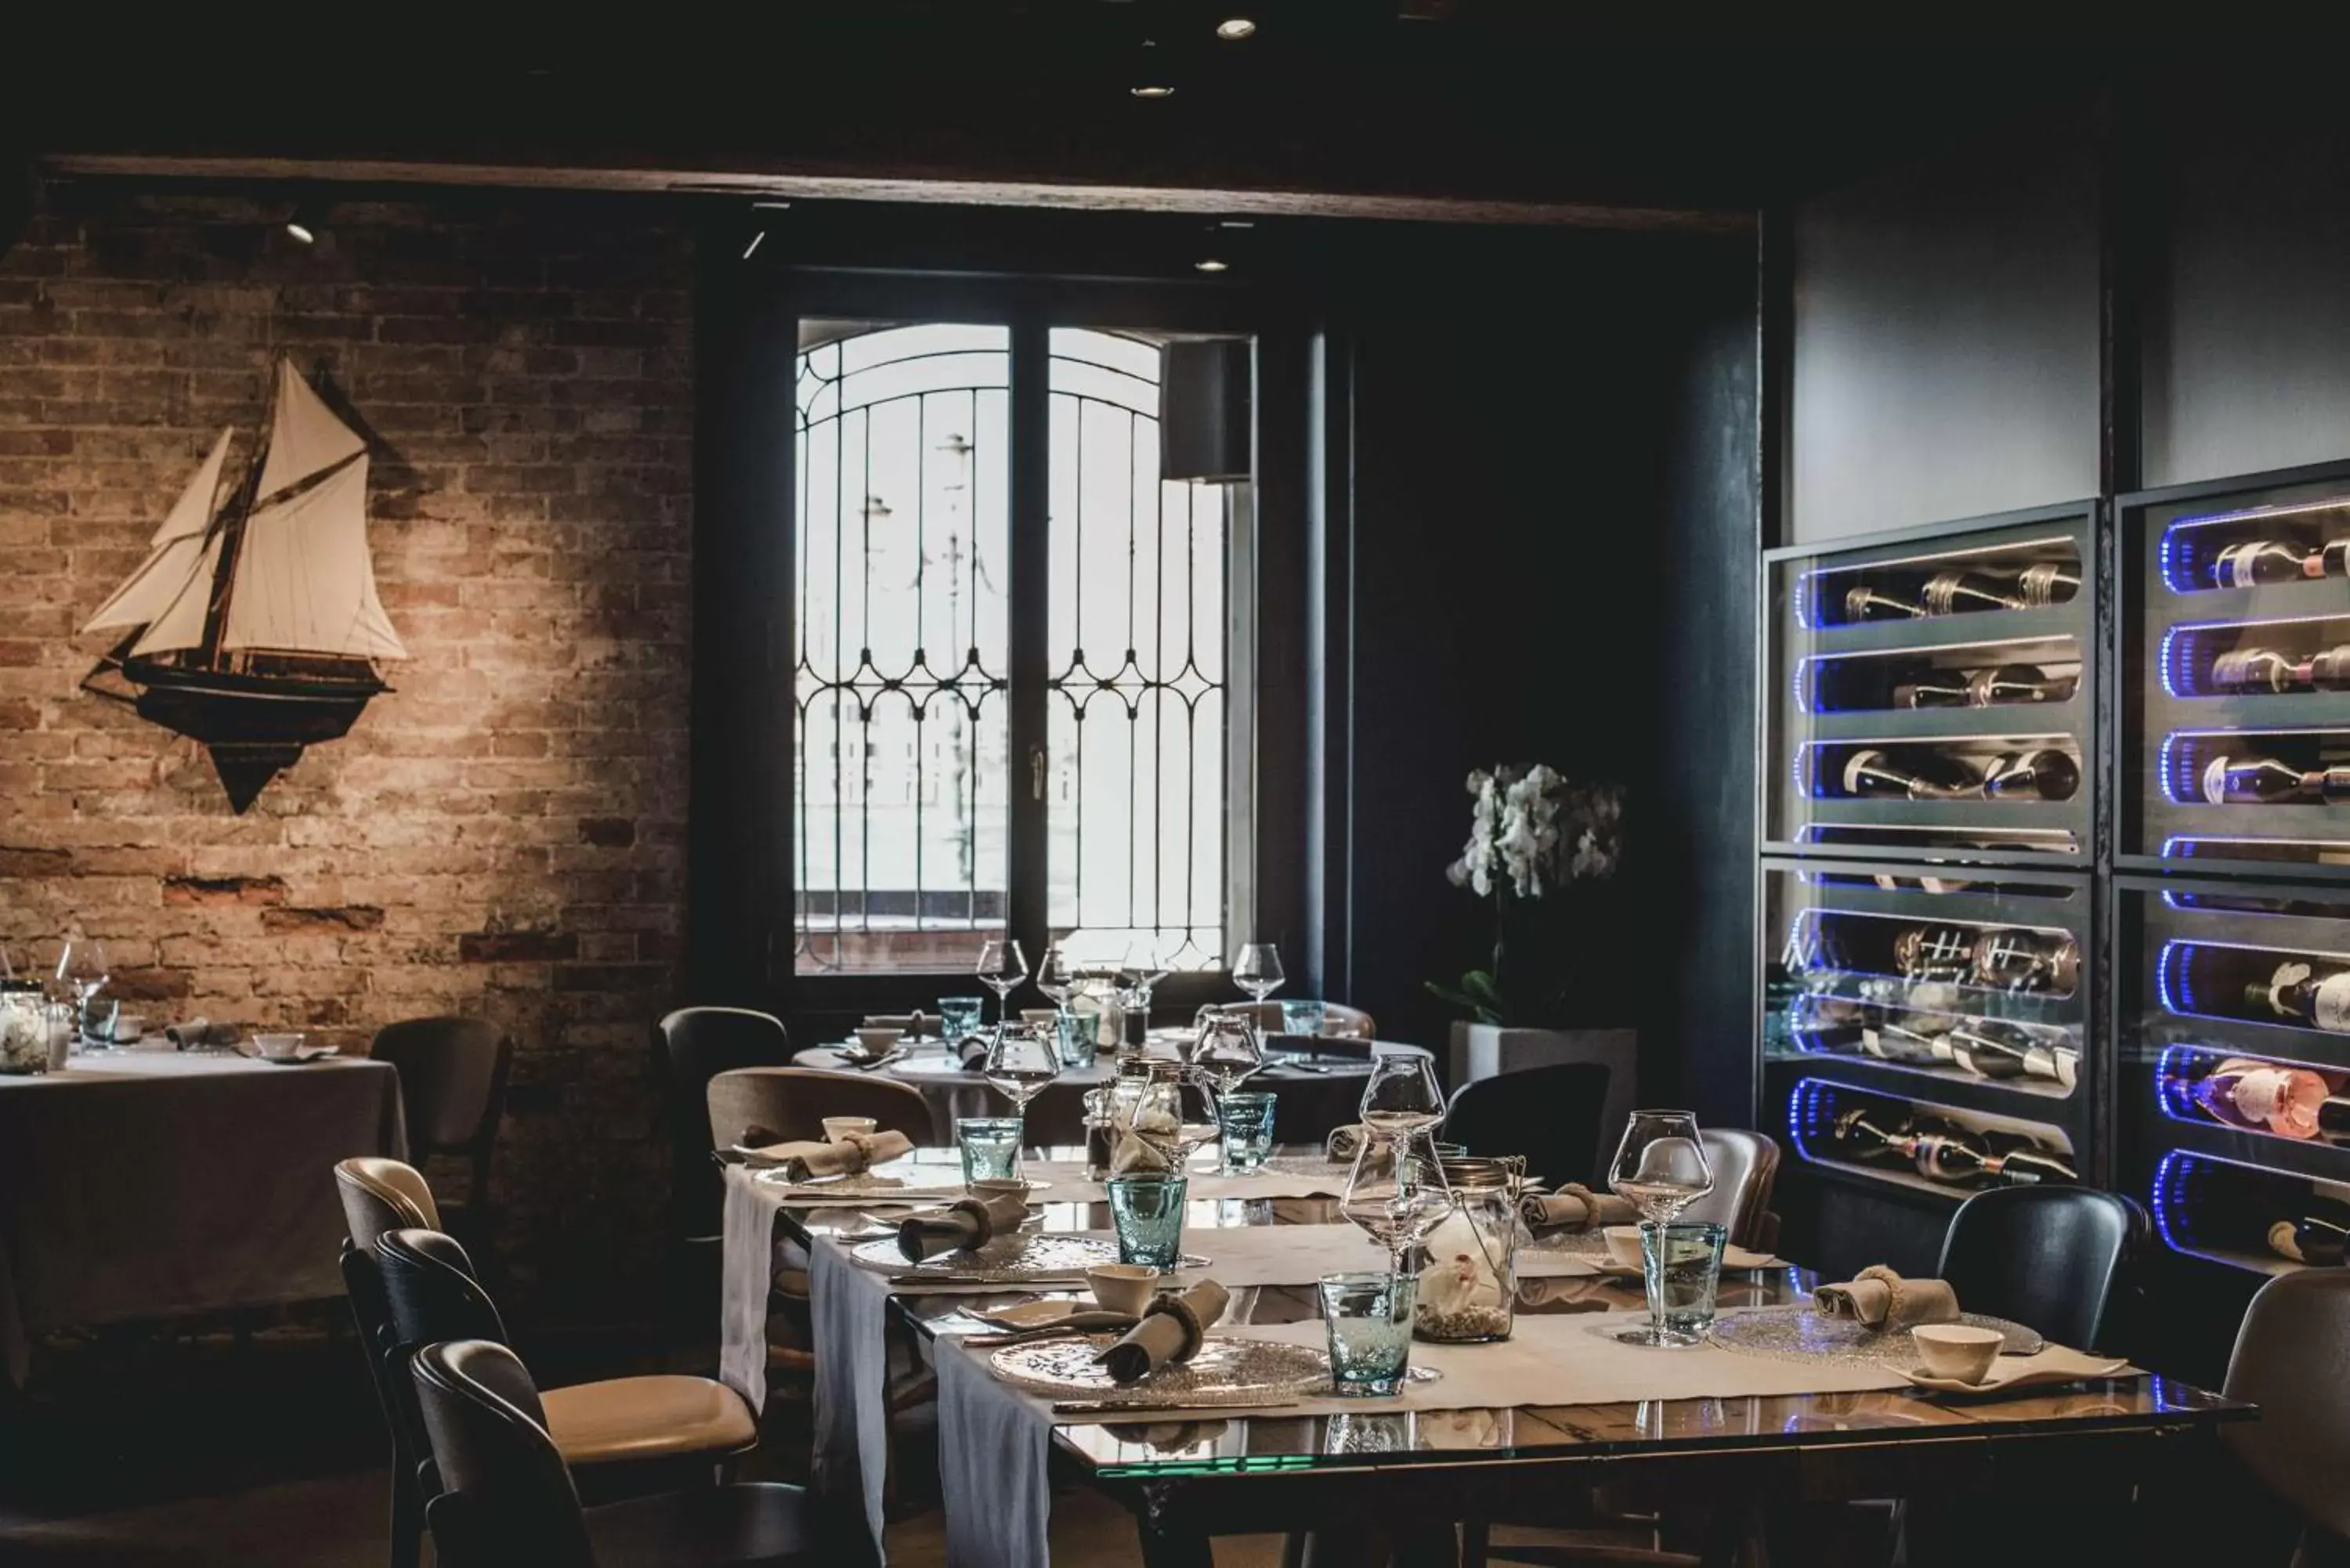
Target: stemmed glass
x=1227, y=1050
x=1256, y=969
x=1401, y=1095
x=81, y=972
x=1021, y=1060
x=1001, y=967
x=1397, y=1193
x=1660, y=1169
x=1055, y=975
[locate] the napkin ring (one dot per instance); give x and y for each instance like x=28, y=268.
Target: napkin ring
x=1895, y=1287
x=1195, y=1332
x=977, y=1210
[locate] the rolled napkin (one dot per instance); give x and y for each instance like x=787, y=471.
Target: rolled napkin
x=198, y=1031
x=1877, y=1297
x=1573, y=1207
x=1171, y=1333
x=1345, y=1143
x=959, y=1226
x=851, y=1155
x=971, y=1051
x=1131, y=1155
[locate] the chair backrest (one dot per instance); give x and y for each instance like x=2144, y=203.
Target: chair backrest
x=381, y=1195
x=1550, y=1114
x=1745, y=1167
x=431, y=1293
x=1339, y=1021
x=792, y=1103
x=509, y=1496
x=453, y=1082
x=371, y=1313
x=695, y=1044
x=2292, y=1358
x=2048, y=1257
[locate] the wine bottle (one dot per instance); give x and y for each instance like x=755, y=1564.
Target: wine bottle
x=2257, y=561
x=1934, y=952
x=2266, y=1097
x=1961, y=593
x=2295, y=992
x=2045, y=583
x=2025, y=960
x=1866, y=603
x=2042, y=774
x=2266, y=669
x=1872, y=774
x=2315, y=1236
x=1890, y=1041
x=1991, y=688
x=1989, y=1049
x=2018, y=1160
x=2265, y=780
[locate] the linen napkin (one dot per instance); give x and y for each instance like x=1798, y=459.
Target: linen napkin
x=198, y=1031
x=1880, y=1298
x=1573, y=1207
x=972, y=1053
x=1171, y=1330
x=959, y=1226
x=853, y=1154
x=1345, y=1142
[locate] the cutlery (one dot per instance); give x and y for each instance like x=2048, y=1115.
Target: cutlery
x=1116, y=1406
x=1071, y=1277
x=1077, y=1325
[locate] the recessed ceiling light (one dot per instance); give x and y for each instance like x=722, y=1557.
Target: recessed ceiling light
x=1152, y=91
x=1210, y=264
x=1235, y=27
x=301, y=231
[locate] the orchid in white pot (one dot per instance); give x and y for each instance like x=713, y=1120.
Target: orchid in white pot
x=1533, y=835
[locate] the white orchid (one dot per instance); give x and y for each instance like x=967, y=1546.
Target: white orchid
x=1530, y=832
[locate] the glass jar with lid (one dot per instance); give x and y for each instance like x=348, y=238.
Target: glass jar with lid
x=24, y=1027
x=1468, y=1285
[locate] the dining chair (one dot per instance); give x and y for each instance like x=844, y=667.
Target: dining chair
x=694, y=1046
x=1550, y=1114
x=1339, y=1021
x=507, y=1496
x=453, y=1091
x=2291, y=1357
x=792, y=1103
x=2048, y=1257
x=380, y=1196
x=433, y=1295
x=1745, y=1167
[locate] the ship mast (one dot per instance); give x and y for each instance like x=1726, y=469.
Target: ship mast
x=233, y=519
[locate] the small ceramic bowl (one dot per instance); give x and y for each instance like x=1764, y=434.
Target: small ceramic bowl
x=878, y=1042
x=838, y=1127
x=999, y=1187
x=1123, y=1287
x=1042, y=1017
x=1623, y=1245
x=1957, y=1350
x=277, y=1047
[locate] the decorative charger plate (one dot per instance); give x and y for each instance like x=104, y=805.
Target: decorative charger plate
x=1225, y=1372
x=1800, y=1334
x=1010, y=1260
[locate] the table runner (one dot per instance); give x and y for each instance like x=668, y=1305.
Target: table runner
x=994, y=1440
x=151, y=1184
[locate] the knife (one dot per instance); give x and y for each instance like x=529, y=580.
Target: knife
x=1117, y=1406
x=1070, y=1277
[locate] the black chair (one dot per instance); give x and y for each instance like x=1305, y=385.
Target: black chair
x=2049, y=1257
x=696, y=1045
x=453, y=1090
x=381, y=1196
x=1550, y=1114
x=507, y=1496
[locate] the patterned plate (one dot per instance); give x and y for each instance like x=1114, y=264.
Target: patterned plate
x=1008, y=1259
x=1225, y=1372
x=1799, y=1334
x=864, y=1188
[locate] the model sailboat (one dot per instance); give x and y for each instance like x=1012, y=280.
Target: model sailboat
x=254, y=625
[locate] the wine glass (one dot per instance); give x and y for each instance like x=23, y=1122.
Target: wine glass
x=1227, y=1050
x=82, y=974
x=1660, y=1169
x=1401, y=1095
x=1257, y=970
x=1055, y=975
x=1021, y=1060
x=1172, y=1115
x=1395, y=1192
x=1001, y=967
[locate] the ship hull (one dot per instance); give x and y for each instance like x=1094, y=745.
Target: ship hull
x=225, y=708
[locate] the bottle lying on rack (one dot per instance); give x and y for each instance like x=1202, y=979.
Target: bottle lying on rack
x=2265, y=780
x=1982, y=1046
x=2265, y=669
x=1991, y=688
x=1943, y=1152
x=2035, y=586
x=2040, y=774
x=2272, y=1097
x=2300, y=992
x=2257, y=562
x=2315, y=1237
x=2002, y=958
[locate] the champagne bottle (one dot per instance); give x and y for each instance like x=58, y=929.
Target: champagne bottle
x=1874, y=775
x=2296, y=993
x=2315, y=1236
x=2257, y=561
x=2018, y=1160
x=2025, y=960
x=1934, y=952
x=1864, y=603
x=1961, y=593
x=2266, y=669
x=1989, y=1049
x=2269, y=1096
x=1892, y=1042
x=2265, y=780
x=2042, y=774
x=2045, y=583
x=1991, y=688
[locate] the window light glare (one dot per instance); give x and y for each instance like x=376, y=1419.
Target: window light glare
x=1235, y=28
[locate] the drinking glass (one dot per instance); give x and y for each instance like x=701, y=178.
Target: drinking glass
x=1682, y=1265
x=990, y=1147
x=1368, y=1317
x=1146, y=1211
x=1001, y=968
x=1226, y=1050
x=1257, y=970
x=1172, y=1113
x=1247, y=1123
x=1055, y=975
x=1021, y=1060
x=960, y=1018
x=1401, y=1094
x=1299, y=1017
x=1660, y=1169
x=82, y=974
x=1396, y=1191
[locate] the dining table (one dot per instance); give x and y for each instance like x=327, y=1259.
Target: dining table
x=146, y=1184
x=1521, y=1431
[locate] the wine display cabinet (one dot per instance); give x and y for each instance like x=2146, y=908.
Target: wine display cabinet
x=1930, y=1024
x=2231, y=1012
x=1930, y=695
x=2234, y=700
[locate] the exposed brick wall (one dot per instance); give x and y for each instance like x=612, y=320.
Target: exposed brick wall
x=503, y=834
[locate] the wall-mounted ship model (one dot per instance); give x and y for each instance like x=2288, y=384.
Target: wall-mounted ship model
x=253, y=627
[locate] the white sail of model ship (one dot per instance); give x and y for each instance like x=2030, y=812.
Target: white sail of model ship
x=303, y=580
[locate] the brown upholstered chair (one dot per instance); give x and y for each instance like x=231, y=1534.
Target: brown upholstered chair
x=792, y=1103
x=1745, y=1168
x=1339, y=1021
x=693, y=1045
x=2291, y=1357
x=453, y=1091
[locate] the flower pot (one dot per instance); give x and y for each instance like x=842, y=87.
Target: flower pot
x=1485, y=1050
